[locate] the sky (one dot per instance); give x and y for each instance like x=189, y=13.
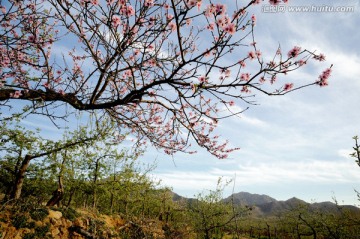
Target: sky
x=296, y=145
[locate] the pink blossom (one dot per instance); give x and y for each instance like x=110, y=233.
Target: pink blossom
x=211, y=26
x=274, y=2
x=202, y=79
x=253, y=18
x=151, y=47
x=116, y=21
x=220, y=9
x=288, y=86
x=273, y=79
x=245, y=77
x=129, y=11
x=207, y=53
x=149, y=3
x=210, y=9
x=323, y=78
x=301, y=62
x=169, y=17
x=320, y=57
x=3, y=9
x=242, y=63
x=294, y=52
x=258, y=53
x=245, y=89
x=193, y=87
x=172, y=26
x=221, y=21
x=152, y=62
x=251, y=55
x=230, y=28
x=95, y=2
x=128, y=73
x=31, y=38
x=271, y=64
x=198, y=4
x=16, y=94
x=231, y=103
x=227, y=72
x=191, y=3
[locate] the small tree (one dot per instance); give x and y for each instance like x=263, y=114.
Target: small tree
x=211, y=215
x=164, y=70
x=356, y=155
x=20, y=147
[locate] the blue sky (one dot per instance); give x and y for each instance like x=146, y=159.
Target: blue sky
x=297, y=144
x=293, y=145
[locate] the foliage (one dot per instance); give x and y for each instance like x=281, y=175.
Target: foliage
x=19, y=221
x=68, y=213
x=40, y=232
x=39, y=214
x=211, y=215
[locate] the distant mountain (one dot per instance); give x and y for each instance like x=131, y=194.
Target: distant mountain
x=264, y=205
x=248, y=199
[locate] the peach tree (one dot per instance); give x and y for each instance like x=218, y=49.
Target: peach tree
x=166, y=71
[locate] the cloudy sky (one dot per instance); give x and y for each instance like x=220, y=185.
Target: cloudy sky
x=297, y=144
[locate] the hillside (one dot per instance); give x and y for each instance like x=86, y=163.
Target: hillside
x=181, y=218
x=264, y=205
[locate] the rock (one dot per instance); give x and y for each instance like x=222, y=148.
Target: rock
x=55, y=231
x=79, y=222
x=54, y=214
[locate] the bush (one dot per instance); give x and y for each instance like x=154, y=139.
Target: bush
x=19, y=221
x=68, y=213
x=40, y=233
x=39, y=214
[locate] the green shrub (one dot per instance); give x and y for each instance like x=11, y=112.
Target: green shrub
x=40, y=233
x=39, y=214
x=19, y=221
x=68, y=213
x=29, y=236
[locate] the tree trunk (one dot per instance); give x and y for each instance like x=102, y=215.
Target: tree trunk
x=19, y=180
x=111, y=203
x=58, y=194
x=268, y=231
x=72, y=192
x=96, y=173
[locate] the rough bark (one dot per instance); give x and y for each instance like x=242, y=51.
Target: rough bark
x=58, y=195
x=20, y=176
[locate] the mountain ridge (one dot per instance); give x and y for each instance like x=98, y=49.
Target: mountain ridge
x=264, y=205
